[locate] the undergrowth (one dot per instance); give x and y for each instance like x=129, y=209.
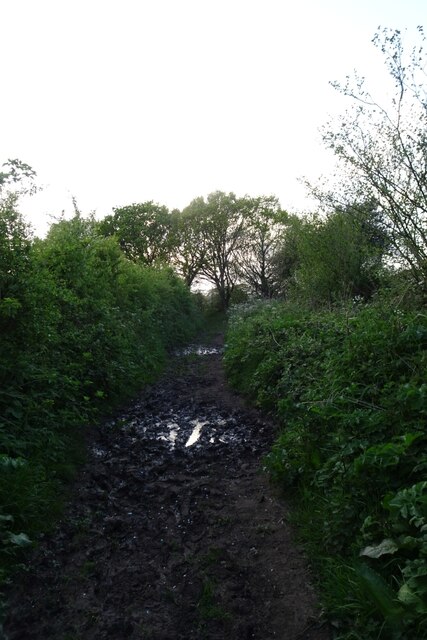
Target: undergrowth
x=350, y=389
x=81, y=329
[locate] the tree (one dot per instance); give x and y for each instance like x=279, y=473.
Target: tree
x=286, y=258
x=219, y=233
x=340, y=257
x=229, y=241
x=17, y=174
x=14, y=247
x=15, y=235
x=188, y=255
x=143, y=231
x=382, y=149
x=264, y=224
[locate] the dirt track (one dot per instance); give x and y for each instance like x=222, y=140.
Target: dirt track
x=163, y=541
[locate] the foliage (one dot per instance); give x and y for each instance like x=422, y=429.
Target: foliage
x=264, y=224
x=285, y=260
x=349, y=387
x=340, y=257
x=82, y=327
x=250, y=246
x=381, y=146
x=143, y=231
x=189, y=254
x=219, y=235
x=230, y=242
x=19, y=177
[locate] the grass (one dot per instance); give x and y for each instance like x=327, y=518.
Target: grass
x=208, y=606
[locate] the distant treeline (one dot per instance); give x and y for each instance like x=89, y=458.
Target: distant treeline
x=250, y=248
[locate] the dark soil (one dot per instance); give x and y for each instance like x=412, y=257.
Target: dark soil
x=163, y=541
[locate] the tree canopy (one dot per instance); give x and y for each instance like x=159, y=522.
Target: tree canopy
x=143, y=231
x=381, y=146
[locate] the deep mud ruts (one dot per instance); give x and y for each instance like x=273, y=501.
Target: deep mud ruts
x=170, y=539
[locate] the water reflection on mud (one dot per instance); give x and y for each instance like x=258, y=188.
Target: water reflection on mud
x=198, y=350
x=178, y=430
x=195, y=435
x=181, y=430
x=190, y=427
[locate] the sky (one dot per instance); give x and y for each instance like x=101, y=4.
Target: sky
x=120, y=102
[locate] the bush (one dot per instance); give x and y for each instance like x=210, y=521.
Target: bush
x=349, y=387
x=81, y=328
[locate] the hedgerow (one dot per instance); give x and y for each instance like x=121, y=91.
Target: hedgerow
x=349, y=387
x=81, y=329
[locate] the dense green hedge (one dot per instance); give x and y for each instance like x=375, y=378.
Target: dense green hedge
x=81, y=328
x=350, y=389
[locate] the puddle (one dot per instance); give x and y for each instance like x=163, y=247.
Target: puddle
x=179, y=430
x=198, y=426
x=198, y=350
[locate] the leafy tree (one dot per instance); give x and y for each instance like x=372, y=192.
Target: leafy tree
x=17, y=174
x=264, y=224
x=220, y=226
x=15, y=241
x=14, y=247
x=143, y=231
x=188, y=254
x=340, y=257
x=286, y=258
x=229, y=241
x=383, y=149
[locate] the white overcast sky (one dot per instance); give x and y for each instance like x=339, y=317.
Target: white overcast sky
x=165, y=100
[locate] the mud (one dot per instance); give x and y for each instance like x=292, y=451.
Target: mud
x=172, y=531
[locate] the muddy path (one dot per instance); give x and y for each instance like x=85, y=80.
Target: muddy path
x=172, y=531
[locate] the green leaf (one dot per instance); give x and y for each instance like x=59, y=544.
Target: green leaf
x=20, y=539
x=406, y=596
x=387, y=546
x=380, y=594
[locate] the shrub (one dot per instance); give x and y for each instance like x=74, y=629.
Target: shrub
x=82, y=327
x=349, y=388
